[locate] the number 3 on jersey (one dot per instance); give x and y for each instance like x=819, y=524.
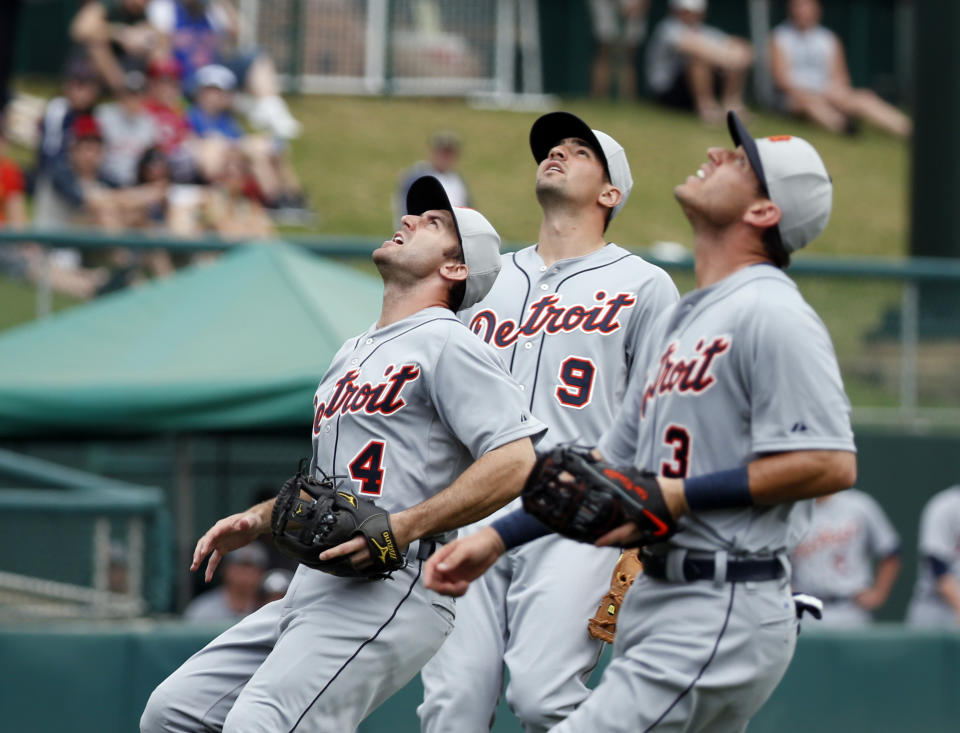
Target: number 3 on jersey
x=678, y=437
x=367, y=468
x=576, y=382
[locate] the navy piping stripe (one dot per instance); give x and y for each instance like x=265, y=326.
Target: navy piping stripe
x=523, y=308
x=716, y=645
x=543, y=336
x=360, y=648
x=336, y=440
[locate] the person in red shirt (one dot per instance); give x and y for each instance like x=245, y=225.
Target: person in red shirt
x=164, y=103
x=13, y=205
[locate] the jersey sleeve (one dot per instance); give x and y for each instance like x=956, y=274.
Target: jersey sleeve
x=881, y=535
x=797, y=396
x=618, y=445
x=656, y=295
x=477, y=399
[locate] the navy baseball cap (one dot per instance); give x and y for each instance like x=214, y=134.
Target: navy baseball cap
x=794, y=177
x=553, y=127
x=480, y=241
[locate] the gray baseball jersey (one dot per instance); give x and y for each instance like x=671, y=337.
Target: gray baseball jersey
x=835, y=560
x=569, y=333
x=939, y=538
x=736, y=370
x=397, y=414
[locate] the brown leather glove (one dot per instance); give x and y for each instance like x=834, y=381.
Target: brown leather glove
x=603, y=625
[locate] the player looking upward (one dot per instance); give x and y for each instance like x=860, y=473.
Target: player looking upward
x=413, y=435
x=568, y=315
x=737, y=405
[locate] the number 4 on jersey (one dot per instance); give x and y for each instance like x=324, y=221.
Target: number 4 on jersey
x=367, y=468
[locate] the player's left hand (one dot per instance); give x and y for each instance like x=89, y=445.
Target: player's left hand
x=359, y=551
x=869, y=599
x=629, y=533
x=356, y=548
x=451, y=568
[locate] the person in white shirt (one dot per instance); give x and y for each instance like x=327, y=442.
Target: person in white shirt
x=810, y=73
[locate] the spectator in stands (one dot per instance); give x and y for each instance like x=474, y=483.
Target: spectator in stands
x=80, y=190
x=850, y=558
x=13, y=203
x=203, y=32
x=275, y=585
x=443, y=158
x=618, y=28
x=115, y=36
x=217, y=131
x=691, y=65
x=936, y=596
x=233, y=209
x=164, y=102
x=128, y=129
x=810, y=73
x=81, y=90
x=239, y=591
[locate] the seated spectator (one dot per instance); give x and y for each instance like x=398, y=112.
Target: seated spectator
x=164, y=103
x=203, y=32
x=233, y=209
x=239, y=591
x=936, y=595
x=442, y=162
x=128, y=130
x=810, y=72
x=79, y=191
x=849, y=558
x=618, y=28
x=217, y=131
x=116, y=35
x=691, y=65
x=81, y=90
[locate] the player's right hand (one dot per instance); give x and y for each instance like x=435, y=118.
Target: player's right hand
x=228, y=534
x=451, y=568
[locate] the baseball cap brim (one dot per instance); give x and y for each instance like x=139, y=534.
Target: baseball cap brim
x=553, y=127
x=427, y=194
x=740, y=136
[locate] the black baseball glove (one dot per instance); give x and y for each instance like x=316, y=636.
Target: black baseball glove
x=582, y=498
x=303, y=528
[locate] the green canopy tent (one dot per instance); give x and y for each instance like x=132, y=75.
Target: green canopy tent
x=237, y=344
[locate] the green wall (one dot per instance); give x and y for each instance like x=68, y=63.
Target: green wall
x=96, y=679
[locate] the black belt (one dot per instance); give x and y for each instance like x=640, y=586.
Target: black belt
x=738, y=571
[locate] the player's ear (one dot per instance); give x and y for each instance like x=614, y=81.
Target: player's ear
x=454, y=271
x=762, y=213
x=610, y=196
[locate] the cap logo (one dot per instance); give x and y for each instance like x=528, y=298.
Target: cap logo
x=779, y=138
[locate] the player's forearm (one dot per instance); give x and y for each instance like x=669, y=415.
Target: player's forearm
x=492, y=481
x=887, y=572
x=800, y=475
x=949, y=590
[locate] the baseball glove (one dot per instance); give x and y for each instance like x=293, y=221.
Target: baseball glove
x=582, y=498
x=303, y=528
x=603, y=624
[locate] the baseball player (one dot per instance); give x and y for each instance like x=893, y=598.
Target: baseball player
x=835, y=561
x=936, y=596
x=737, y=405
x=568, y=316
x=397, y=416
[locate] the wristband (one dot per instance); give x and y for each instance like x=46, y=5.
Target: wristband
x=517, y=528
x=720, y=490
